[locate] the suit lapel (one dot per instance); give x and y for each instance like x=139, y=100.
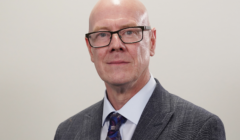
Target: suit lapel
x=155, y=116
x=92, y=124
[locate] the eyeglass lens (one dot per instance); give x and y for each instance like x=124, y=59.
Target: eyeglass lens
x=128, y=35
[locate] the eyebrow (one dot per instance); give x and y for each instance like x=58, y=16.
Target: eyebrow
x=107, y=28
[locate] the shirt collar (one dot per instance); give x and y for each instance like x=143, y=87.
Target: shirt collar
x=133, y=109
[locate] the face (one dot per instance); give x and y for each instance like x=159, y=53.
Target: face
x=119, y=63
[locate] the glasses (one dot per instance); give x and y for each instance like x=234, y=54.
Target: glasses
x=127, y=35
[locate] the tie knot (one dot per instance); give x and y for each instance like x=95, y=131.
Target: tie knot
x=116, y=120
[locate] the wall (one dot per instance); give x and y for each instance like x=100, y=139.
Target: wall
x=46, y=74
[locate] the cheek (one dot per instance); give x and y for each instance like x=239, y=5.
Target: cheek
x=139, y=53
x=98, y=56
x=143, y=52
x=134, y=52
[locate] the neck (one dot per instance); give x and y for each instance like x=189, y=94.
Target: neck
x=118, y=96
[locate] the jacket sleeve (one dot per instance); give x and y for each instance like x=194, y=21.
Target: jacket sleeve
x=212, y=129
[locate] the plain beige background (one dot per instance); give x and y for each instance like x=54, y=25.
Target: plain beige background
x=46, y=74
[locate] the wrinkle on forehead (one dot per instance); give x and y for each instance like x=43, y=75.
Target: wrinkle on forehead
x=117, y=9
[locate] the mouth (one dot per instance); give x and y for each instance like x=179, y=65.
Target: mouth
x=117, y=62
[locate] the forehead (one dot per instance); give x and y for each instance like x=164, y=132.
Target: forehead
x=115, y=17
x=114, y=24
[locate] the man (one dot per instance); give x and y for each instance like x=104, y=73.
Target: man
x=120, y=42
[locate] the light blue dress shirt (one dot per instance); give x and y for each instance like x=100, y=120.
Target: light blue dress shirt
x=132, y=111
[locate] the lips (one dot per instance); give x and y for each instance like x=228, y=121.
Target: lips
x=117, y=62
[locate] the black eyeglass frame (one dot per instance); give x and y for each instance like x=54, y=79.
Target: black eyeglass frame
x=144, y=28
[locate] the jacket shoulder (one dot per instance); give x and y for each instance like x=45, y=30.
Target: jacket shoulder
x=75, y=122
x=194, y=122
x=185, y=108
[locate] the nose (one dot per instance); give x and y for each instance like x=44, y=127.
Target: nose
x=116, y=44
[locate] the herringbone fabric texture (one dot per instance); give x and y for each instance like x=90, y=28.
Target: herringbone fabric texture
x=165, y=117
x=116, y=120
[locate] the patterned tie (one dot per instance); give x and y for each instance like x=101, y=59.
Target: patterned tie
x=116, y=120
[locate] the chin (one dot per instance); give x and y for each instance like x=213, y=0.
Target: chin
x=119, y=80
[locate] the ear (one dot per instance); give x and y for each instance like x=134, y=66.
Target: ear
x=89, y=49
x=153, y=42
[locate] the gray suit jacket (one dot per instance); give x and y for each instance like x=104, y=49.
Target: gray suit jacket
x=165, y=117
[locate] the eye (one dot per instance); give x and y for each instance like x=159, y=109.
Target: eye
x=129, y=32
x=102, y=34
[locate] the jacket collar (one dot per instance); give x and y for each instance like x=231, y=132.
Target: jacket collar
x=155, y=116
x=92, y=123
x=153, y=120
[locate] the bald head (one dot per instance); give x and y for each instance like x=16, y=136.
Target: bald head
x=113, y=12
